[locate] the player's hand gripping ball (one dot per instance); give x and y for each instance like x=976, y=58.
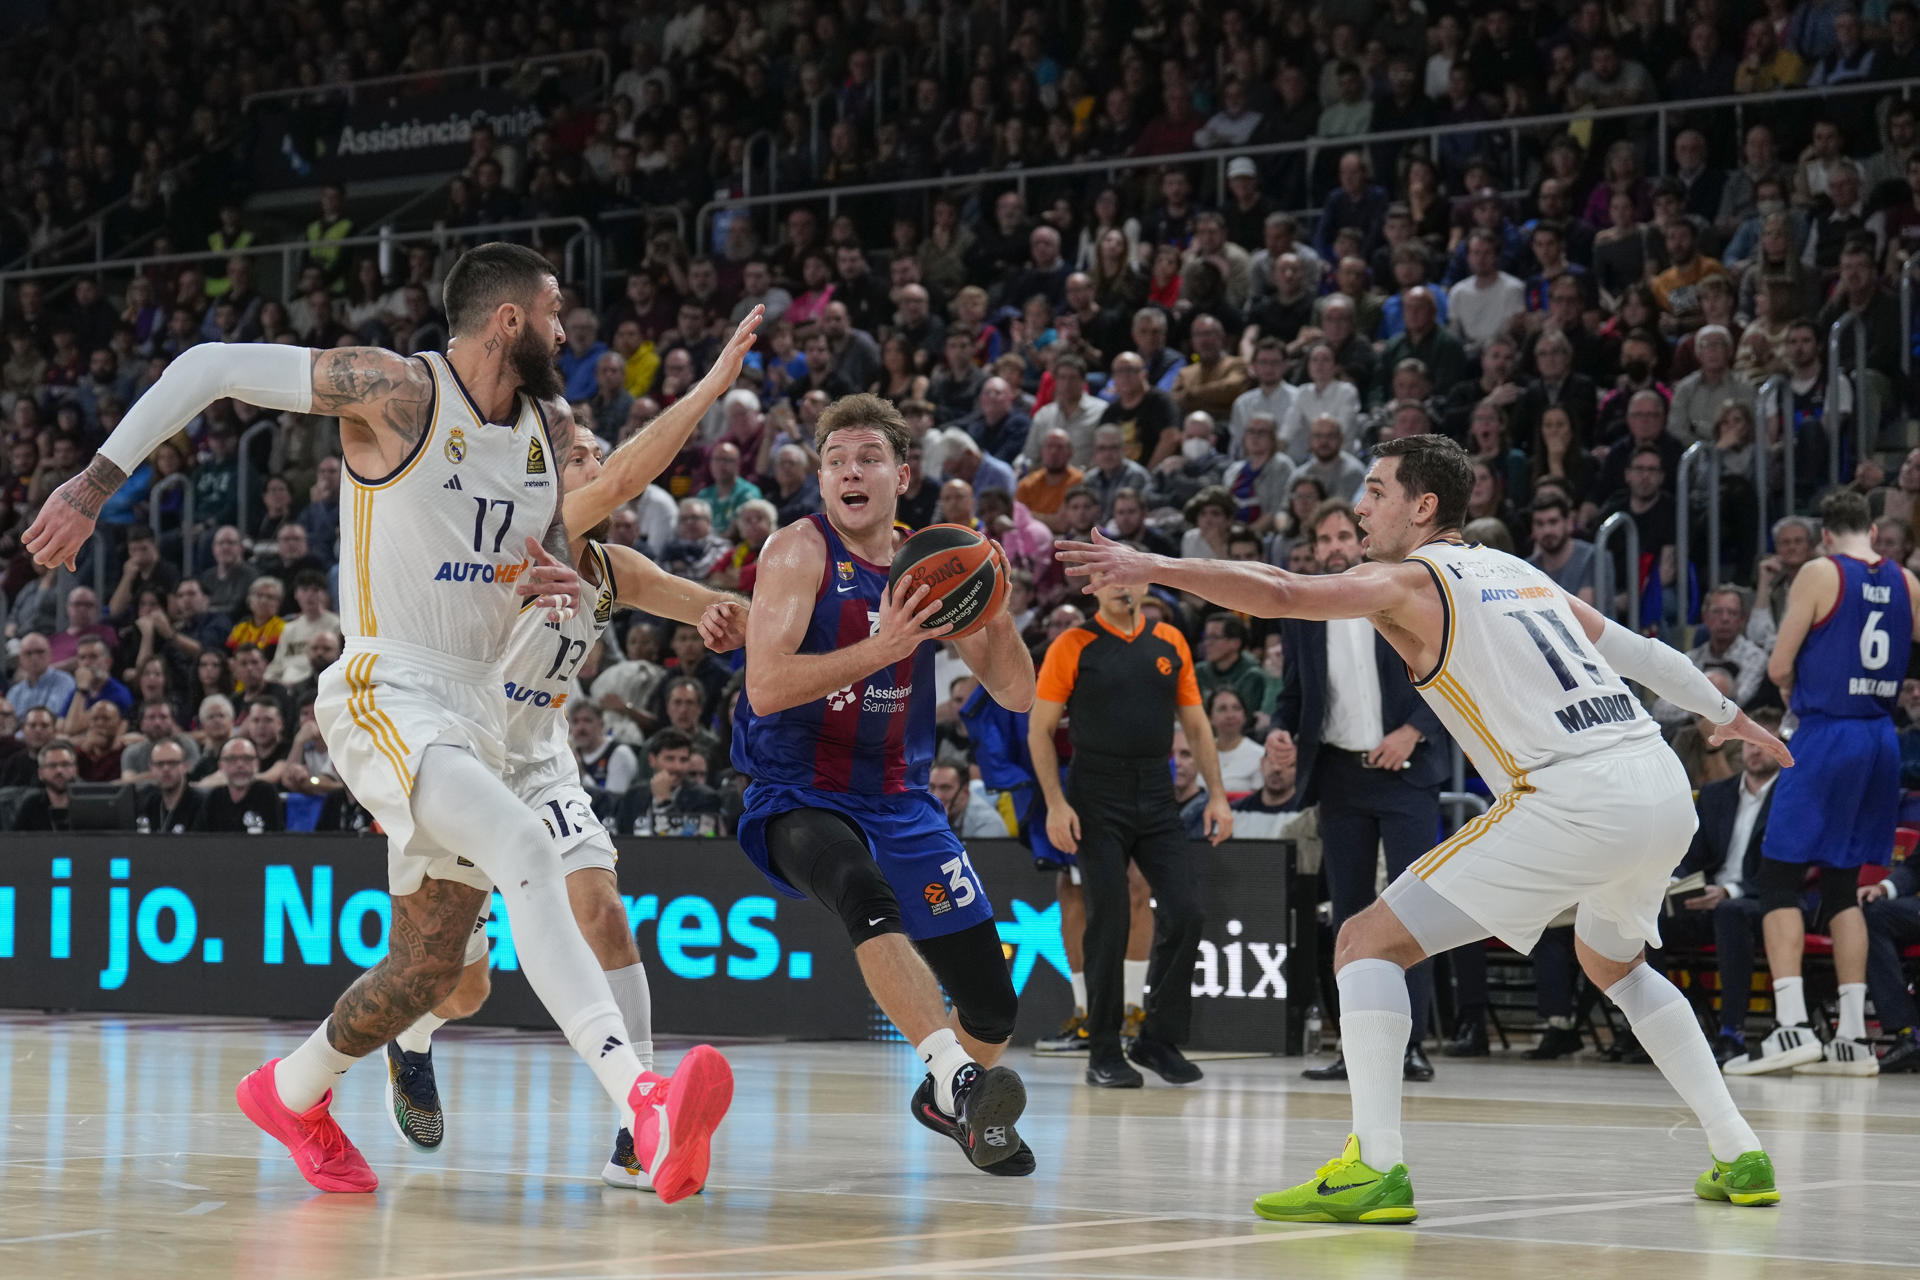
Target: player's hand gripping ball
x=966, y=570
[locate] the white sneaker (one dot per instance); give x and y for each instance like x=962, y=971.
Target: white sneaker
x=623, y=1169
x=1784, y=1049
x=1843, y=1058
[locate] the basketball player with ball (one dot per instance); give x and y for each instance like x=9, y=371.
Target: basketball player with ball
x=835, y=732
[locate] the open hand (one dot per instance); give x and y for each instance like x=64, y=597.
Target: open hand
x=1063, y=827
x=1746, y=730
x=902, y=627
x=726, y=366
x=1105, y=563
x=554, y=586
x=65, y=522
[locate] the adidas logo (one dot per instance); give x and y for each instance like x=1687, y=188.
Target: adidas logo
x=453, y=484
x=536, y=458
x=613, y=1042
x=645, y=1087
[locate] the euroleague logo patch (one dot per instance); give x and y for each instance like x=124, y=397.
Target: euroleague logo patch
x=1165, y=665
x=937, y=901
x=536, y=458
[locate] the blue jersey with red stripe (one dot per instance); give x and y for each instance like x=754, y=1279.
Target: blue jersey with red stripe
x=874, y=737
x=1854, y=658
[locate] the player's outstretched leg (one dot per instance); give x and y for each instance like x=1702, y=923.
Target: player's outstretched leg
x=1663, y=1022
x=1367, y=1182
x=290, y=1097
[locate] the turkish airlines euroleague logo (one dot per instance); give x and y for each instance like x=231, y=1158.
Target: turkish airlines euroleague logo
x=937, y=901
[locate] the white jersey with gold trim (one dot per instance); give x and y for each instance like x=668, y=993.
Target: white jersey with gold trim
x=537, y=673
x=430, y=553
x=1518, y=684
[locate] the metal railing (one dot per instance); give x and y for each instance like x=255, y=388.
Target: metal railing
x=1659, y=112
x=1865, y=424
x=178, y=480
x=243, y=484
x=350, y=90
x=1906, y=314
x=1698, y=454
x=1463, y=805
x=583, y=240
x=1603, y=566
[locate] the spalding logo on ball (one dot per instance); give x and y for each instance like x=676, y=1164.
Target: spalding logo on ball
x=960, y=567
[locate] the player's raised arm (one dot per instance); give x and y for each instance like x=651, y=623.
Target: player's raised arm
x=650, y=450
x=383, y=401
x=1247, y=586
x=778, y=674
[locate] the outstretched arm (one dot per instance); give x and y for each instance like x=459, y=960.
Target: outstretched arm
x=1247, y=586
x=641, y=584
x=383, y=401
x=652, y=449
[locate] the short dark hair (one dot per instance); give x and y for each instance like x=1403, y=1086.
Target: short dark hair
x=1550, y=501
x=863, y=411
x=139, y=533
x=1328, y=508
x=668, y=739
x=1067, y=360
x=1080, y=491
x=58, y=744
x=1845, y=511
x=1437, y=465
x=1231, y=627
x=309, y=578
x=488, y=275
x=1647, y=450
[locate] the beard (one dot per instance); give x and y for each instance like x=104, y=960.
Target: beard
x=531, y=360
x=1336, y=562
x=600, y=531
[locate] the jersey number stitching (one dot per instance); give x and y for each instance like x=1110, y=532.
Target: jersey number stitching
x=480, y=522
x=1549, y=651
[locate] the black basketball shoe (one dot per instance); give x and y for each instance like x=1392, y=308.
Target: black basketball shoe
x=927, y=1112
x=413, y=1099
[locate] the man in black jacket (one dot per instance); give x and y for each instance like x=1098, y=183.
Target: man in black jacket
x=1726, y=850
x=1371, y=755
x=245, y=805
x=1892, y=909
x=46, y=809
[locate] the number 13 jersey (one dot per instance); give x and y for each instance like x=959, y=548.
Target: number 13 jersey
x=1518, y=684
x=537, y=676
x=430, y=553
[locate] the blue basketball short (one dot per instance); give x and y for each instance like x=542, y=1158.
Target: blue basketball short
x=909, y=836
x=1838, y=805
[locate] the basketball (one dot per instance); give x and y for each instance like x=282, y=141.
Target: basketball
x=960, y=565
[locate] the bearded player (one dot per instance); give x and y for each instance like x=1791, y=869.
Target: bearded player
x=669, y=1155
x=836, y=733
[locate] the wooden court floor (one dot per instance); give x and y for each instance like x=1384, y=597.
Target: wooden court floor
x=121, y=1153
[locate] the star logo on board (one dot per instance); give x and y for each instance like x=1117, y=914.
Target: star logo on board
x=1030, y=937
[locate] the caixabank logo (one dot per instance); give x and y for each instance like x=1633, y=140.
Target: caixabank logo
x=1228, y=966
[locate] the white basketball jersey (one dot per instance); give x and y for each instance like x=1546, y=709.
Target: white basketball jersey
x=1518, y=684
x=542, y=656
x=430, y=553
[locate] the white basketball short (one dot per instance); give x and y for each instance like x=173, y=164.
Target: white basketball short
x=1602, y=834
x=379, y=708
x=567, y=812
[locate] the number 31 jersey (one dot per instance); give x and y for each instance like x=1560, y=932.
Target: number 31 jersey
x=1518, y=684
x=537, y=675
x=430, y=553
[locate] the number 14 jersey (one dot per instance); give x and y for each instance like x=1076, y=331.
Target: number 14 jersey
x=1518, y=684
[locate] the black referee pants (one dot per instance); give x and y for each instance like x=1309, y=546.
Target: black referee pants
x=1128, y=813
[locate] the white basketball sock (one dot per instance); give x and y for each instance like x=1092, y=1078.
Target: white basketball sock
x=304, y=1076
x=631, y=993
x=1134, y=980
x=1789, y=1002
x=1853, y=1011
x=418, y=1038
x=1375, y=1022
x=1668, y=1031
x=1079, y=981
x=461, y=805
x=944, y=1057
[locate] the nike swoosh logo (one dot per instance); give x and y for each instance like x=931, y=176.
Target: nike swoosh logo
x=875, y=921
x=1326, y=1190
x=843, y=590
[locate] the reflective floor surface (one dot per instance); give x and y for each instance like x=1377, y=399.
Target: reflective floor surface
x=121, y=1152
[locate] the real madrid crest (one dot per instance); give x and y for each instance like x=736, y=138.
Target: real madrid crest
x=456, y=446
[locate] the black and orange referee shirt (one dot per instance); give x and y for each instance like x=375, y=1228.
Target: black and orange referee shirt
x=1122, y=692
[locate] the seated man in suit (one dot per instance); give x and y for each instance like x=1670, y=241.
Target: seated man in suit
x=1370, y=754
x=1892, y=909
x=1726, y=849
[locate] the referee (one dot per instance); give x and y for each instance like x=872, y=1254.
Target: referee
x=1125, y=684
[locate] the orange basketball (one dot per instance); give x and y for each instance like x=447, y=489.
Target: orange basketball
x=960, y=565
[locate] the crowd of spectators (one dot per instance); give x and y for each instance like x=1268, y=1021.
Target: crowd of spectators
x=1194, y=367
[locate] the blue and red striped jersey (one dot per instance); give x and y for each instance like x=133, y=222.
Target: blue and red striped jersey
x=874, y=737
x=1854, y=658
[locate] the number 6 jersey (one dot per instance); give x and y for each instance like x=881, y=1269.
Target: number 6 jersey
x=1518, y=684
x=1853, y=660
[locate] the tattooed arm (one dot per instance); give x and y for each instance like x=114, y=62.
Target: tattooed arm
x=382, y=400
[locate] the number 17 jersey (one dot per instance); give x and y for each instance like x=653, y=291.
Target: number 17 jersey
x=1518, y=684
